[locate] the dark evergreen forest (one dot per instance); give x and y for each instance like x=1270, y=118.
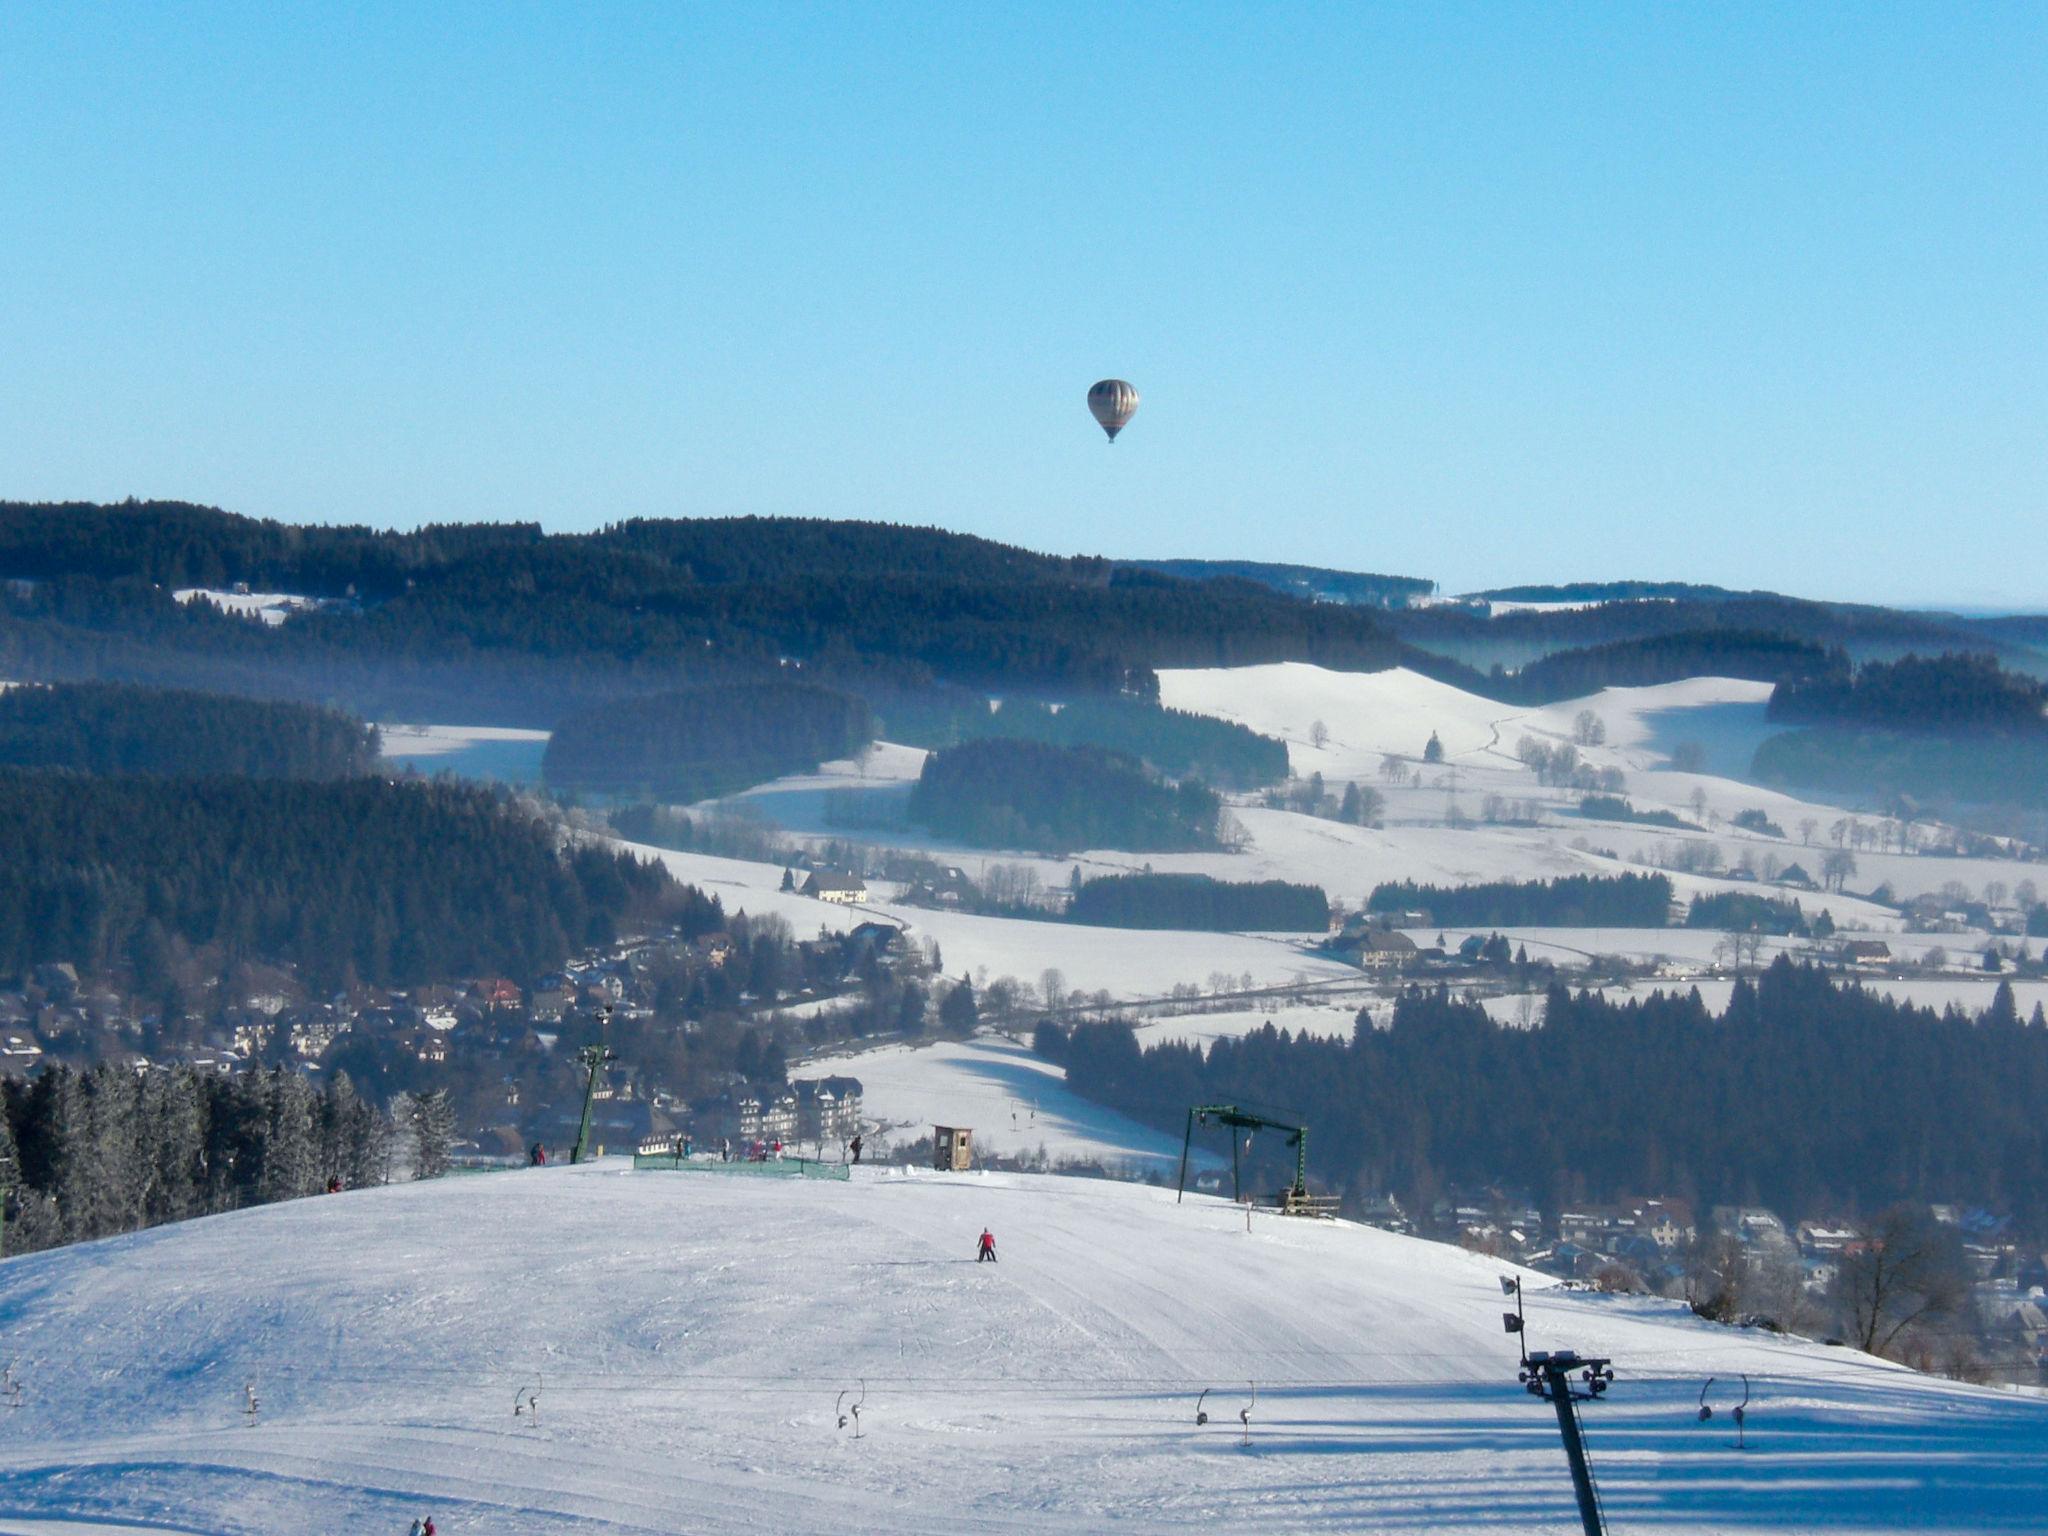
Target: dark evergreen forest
x=1640, y=663
x=706, y=741
x=508, y=623
x=1005, y=793
x=1171, y=741
x=1745, y=912
x=94, y=1153
x=1201, y=902
x=118, y=728
x=1515, y=640
x=1951, y=693
x=1570, y=901
x=1805, y=1096
x=393, y=883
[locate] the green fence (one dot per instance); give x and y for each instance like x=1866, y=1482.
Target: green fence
x=774, y=1168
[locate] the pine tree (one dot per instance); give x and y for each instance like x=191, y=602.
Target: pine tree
x=1352, y=810
x=291, y=1160
x=10, y=1175
x=431, y=1119
x=959, y=1012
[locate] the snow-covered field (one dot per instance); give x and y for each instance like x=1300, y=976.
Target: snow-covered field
x=271, y=608
x=1328, y=1019
x=1120, y=961
x=1015, y=1103
x=508, y=754
x=690, y=1337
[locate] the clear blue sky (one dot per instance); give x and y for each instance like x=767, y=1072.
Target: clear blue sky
x=1488, y=294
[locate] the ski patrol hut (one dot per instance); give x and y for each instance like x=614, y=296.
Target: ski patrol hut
x=952, y=1148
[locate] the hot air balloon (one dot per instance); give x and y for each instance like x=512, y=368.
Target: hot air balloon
x=1112, y=403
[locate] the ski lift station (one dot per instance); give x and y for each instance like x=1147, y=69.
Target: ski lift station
x=952, y=1148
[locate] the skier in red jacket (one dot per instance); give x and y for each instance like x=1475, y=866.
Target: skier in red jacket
x=987, y=1255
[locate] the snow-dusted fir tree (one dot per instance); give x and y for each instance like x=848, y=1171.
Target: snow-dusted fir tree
x=291, y=1157
x=431, y=1119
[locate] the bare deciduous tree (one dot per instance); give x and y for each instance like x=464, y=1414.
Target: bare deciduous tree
x=1908, y=1274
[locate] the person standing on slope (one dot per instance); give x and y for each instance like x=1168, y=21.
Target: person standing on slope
x=855, y=1146
x=987, y=1255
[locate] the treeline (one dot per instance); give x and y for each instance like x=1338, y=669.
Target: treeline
x=1953, y=693
x=1747, y=912
x=539, y=624
x=1174, y=742
x=706, y=741
x=94, y=1153
x=1654, y=659
x=1570, y=901
x=1515, y=640
x=1201, y=902
x=1004, y=793
x=388, y=883
x=1315, y=582
x=1803, y=1096
x=119, y=728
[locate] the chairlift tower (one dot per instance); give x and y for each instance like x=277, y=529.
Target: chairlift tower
x=594, y=1058
x=1235, y=1120
x=1548, y=1375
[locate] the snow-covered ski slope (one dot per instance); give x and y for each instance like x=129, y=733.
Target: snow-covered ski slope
x=689, y=1337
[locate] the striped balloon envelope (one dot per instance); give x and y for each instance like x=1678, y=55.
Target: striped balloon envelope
x=1112, y=403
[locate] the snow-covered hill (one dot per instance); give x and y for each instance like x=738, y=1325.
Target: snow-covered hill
x=689, y=1337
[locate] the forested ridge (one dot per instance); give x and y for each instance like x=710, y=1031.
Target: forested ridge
x=1805, y=1096
x=121, y=728
x=541, y=623
x=1653, y=659
x=1515, y=640
x=1569, y=901
x=1966, y=692
x=701, y=742
x=1007, y=793
x=394, y=883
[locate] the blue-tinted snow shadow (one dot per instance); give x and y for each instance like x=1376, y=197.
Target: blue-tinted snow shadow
x=1836, y=1457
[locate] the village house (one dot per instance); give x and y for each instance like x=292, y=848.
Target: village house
x=1386, y=949
x=828, y=1108
x=1867, y=954
x=748, y=1115
x=713, y=950
x=497, y=994
x=829, y=886
x=552, y=998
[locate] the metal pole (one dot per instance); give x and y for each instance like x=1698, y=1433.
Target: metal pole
x=1236, y=1188
x=593, y=1056
x=1185, y=1142
x=1560, y=1382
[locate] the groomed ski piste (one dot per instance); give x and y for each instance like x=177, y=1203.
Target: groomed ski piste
x=691, y=1340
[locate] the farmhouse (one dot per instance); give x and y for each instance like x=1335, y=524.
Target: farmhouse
x=827, y=886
